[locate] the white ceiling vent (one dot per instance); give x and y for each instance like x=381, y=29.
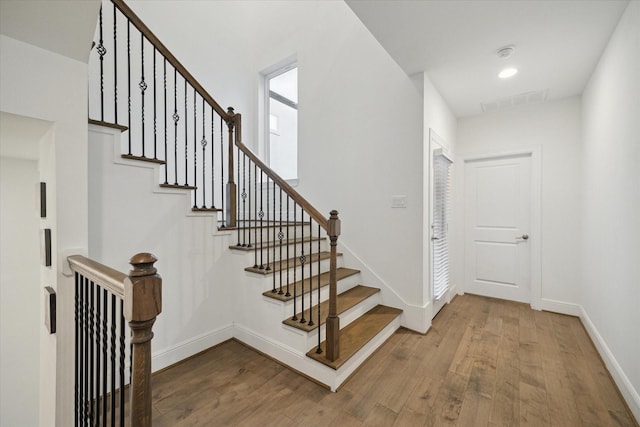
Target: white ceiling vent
x=515, y=100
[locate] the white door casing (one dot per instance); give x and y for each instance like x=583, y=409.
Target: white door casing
x=501, y=225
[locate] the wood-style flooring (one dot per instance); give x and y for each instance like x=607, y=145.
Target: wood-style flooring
x=485, y=362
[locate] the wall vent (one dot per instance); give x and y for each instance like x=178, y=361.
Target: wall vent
x=515, y=100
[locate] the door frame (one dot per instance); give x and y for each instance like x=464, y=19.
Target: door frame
x=536, y=210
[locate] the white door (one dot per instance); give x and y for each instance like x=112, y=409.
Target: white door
x=498, y=216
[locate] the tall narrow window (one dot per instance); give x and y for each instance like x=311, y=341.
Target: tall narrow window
x=440, y=236
x=282, y=118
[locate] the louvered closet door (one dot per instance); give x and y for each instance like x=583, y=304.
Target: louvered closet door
x=440, y=229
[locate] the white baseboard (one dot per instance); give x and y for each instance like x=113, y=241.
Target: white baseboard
x=629, y=393
x=180, y=351
x=560, y=307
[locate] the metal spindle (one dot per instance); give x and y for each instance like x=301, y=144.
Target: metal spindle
x=222, y=172
x=288, y=294
x=238, y=226
x=274, y=229
x=85, y=344
x=166, y=155
x=311, y=323
x=255, y=215
x=129, y=81
x=105, y=341
x=280, y=237
x=78, y=346
x=319, y=349
x=213, y=164
x=122, y=350
x=244, y=200
x=113, y=360
x=295, y=249
x=155, y=109
x=261, y=216
x=98, y=353
x=268, y=266
x=303, y=259
x=204, y=146
x=248, y=212
x=175, y=117
x=195, y=151
x=143, y=88
x=186, y=140
x=101, y=52
x=115, y=65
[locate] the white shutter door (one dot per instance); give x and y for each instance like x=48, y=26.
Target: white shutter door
x=440, y=227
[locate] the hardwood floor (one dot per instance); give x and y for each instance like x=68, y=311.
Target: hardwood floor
x=485, y=362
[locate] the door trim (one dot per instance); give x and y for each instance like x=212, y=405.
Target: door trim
x=536, y=208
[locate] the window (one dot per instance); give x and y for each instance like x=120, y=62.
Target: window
x=281, y=140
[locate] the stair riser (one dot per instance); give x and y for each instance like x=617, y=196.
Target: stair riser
x=266, y=234
x=294, y=248
x=345, y=319
x=268, y=278
x=343, y=285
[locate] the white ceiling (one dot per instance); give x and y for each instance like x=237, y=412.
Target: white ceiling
x=557, y=43
x=62, y=26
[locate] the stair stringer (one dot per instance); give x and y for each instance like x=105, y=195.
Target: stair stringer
x=415, y=317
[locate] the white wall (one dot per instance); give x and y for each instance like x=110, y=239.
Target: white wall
x=555, y=128
x=20, y=292
x=360, y=117
x=609, y=290
x=40, y=84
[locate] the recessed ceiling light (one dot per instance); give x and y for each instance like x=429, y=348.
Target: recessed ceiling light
x=508, y=72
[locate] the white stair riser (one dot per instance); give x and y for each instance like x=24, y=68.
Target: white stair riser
x=266, y=234
x=293, y=249
x=343, y=285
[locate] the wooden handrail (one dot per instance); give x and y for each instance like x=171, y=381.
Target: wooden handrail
x=107, y=277
x=301, y=201
x=160, y=47
x=141, y=292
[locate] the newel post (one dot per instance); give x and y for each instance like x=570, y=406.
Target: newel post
x=230, y=209
x=142, y=303
x=333, y=321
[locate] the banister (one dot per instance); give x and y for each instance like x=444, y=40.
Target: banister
x=301, y=201
x=160, y=47
x=109, y=278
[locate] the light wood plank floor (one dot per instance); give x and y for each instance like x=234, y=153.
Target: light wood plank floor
x=485, y=362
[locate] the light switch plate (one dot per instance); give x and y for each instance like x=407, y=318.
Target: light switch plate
x=398, y=201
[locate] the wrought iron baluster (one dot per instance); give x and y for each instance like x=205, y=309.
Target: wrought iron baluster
x=85, y=342
x=98, y=353
x=113, y=360
x=311, y=323
x=261, y=216
x=166, y=155
x=129, y=81
x=143, y=88
x=266, y=248
x=274, y=233
x=255, y=216
x=213, y=164
x=204, y=163
x=195, y=151
x=295, y=251
x=155, y=109
x=105, y=344
x=175, y=117
x=238, y=226
x=288, y=294
x=319, y=349
x=122, y=364
x=186, y=139
x=101, y=52
x=280, y=239
x=303, y=260
x=78, y=346
x=248, y=212
x=222, y=173
x=115, y=64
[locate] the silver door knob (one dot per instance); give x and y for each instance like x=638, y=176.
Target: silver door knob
x=523, y=237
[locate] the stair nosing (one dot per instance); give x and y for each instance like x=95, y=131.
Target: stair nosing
x=276, y=243
x=323, y=283
x=275, y=266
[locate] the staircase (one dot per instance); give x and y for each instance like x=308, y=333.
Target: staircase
x=296, y=301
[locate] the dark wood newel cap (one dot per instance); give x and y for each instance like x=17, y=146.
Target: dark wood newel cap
x=230, y=110
x=143, y=264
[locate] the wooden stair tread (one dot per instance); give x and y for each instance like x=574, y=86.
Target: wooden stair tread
x=357, y=334
x=121, y=128
x=296, y=288
x=344, y=302
x=290, y=263
x=178, y=186
x=275, y=243
x=206, y=210
x=143, y=159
